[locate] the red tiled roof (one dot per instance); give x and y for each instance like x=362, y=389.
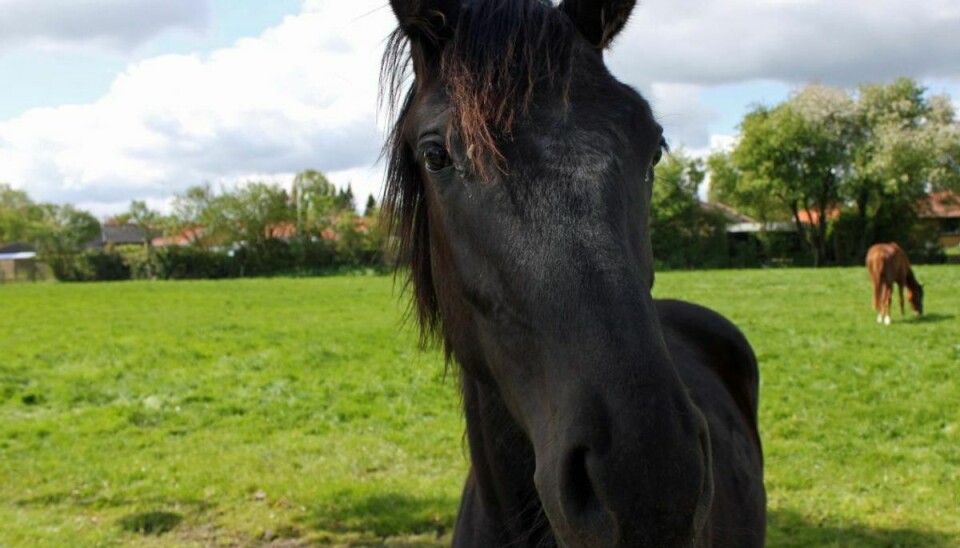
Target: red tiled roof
x=730, y=214
x=944, y=204
x=283, y=231
x=813, y=216
x=185, y=237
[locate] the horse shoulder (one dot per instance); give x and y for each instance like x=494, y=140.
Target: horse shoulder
x=711, y=340
x=720, y=370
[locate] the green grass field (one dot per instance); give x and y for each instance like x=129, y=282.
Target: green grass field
x=292, y=412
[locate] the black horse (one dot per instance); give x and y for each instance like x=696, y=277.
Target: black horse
x=519, y=183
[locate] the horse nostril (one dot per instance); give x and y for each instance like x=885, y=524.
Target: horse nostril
x=578, y=490
x=584, y=512
x=578, y=494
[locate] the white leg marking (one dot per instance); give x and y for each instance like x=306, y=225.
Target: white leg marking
x=886, y=320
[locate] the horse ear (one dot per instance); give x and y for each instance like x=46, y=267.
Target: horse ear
x=428, y=22
x=598, y=20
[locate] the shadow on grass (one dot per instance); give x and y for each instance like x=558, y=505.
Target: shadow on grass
x=396, y=516
x=933, y=318
x=151, y=523
x=787, y=529
x=93, y=500
x=382, y=515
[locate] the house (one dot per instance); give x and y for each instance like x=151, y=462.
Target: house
x=285, y=231
x=812, y=216
x=117, y=235
x=738, y=223
x=943, y=209
x=185, y=237
x=18, y=262
x=192, y=235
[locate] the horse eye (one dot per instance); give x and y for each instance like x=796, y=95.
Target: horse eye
x=435, y=158
x=658, y=155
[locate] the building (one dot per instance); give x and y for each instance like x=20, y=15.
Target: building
x=18, y=262
x=117, y=235
x=943, y=209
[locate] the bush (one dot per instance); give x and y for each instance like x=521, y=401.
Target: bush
x=692, y=239
x=353, y=244
x=142, y=264
x=313, y=255
x=105, y=266
x=187, y=263
x=272, y=257
x=849, y=240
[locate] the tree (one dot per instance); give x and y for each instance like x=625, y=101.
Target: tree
x=371, y=209
x=61, y=235
x=872, y=156
x=146, y=220
x=252, y=214
x=906, y=145
x=729, y=187
x=798, y=159
x=345, y=201
x=683, y=233
x=196, y=214
x=269, y=228
x=19, y=216
x=314, y=200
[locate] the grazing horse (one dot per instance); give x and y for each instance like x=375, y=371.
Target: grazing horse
x=888, y=264
x=519, y=182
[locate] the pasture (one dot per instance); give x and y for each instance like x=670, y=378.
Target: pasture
x=300, y=411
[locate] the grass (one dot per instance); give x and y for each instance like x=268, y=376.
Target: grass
x=220, y=413
x=860, y=421
x=292, y=412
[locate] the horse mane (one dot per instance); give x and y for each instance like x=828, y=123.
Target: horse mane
x=912, y=281
x=495, y=58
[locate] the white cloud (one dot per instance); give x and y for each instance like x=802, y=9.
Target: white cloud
x=796, y=41
x=679, y=109
x=717, y=142
x=114, y=24
x=364, y=181
x=301, y=95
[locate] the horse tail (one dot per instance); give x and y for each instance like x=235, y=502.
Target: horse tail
x=875, y=267
x=877, y=293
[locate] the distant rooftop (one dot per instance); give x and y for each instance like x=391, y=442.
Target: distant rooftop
x=18, y=251
x=117, y=235
x=24, y=255
x=941, y=205
x=16, y=247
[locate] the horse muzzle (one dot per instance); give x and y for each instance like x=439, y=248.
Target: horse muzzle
x=630, y=479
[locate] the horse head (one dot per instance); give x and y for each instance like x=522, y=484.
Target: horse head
x=915, y=296
x=519, y=187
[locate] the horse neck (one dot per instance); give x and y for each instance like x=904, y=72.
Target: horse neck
x=503, y=464
x=912, y=282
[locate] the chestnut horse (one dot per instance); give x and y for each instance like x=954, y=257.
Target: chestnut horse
x=519, y=186
x=888, y=265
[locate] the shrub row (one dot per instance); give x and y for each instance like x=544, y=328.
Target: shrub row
x=273, y=258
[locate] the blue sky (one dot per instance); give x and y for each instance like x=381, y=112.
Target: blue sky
x=106, y=101
x=39, y=77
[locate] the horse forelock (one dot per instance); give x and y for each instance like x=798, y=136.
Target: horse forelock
x=499, y=54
